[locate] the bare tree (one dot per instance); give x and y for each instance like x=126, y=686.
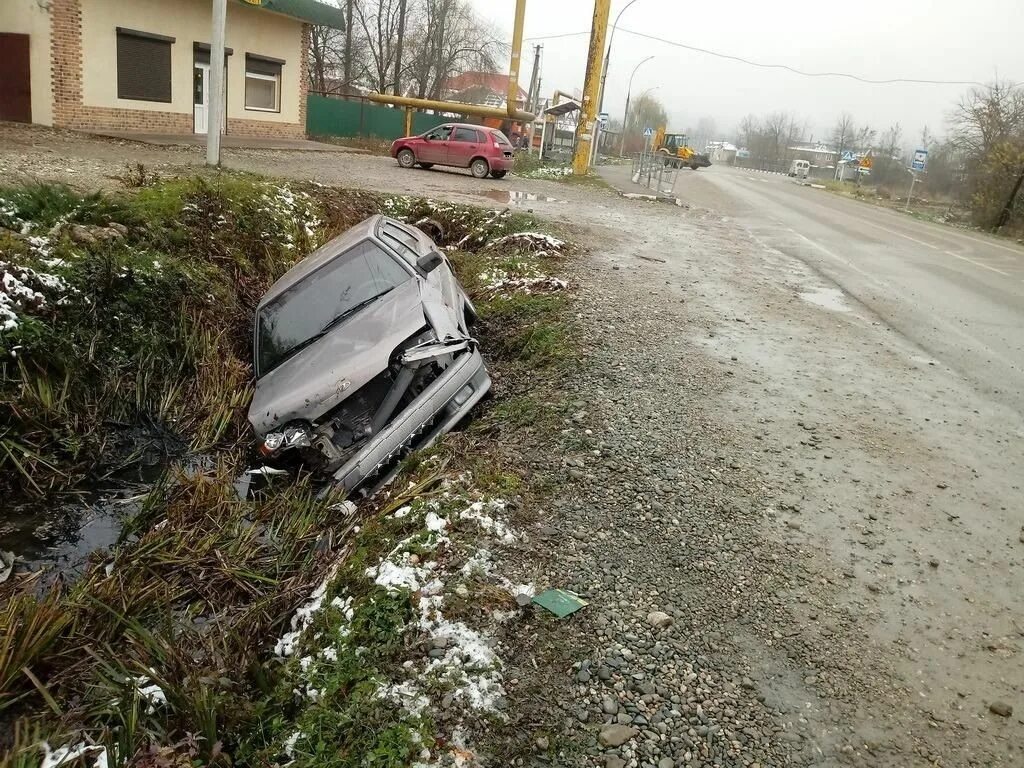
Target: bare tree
x=843, y=134
x=450, y=38
x=645, y=112
x=988, y=116
x=887, y=168
x=706, y=131
x=379, y=23
x=988, y=127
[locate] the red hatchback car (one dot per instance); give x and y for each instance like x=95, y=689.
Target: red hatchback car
x=483, y=150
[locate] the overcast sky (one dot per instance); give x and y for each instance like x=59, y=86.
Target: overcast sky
x=879, y=39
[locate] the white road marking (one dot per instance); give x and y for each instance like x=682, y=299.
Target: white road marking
x=900, y=234
x=977, y=263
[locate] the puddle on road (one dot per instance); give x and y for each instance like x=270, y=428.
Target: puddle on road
x=829, y=298
x=518, y=198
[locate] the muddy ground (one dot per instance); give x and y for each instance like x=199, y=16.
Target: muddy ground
x=756, y=457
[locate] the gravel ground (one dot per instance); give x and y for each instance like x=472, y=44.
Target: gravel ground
x=740, y=504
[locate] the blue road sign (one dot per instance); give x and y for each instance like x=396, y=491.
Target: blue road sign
x=920, y=160
x=648, y=132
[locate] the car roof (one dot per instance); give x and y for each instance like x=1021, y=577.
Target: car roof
x=468, y=125
x=322, y=255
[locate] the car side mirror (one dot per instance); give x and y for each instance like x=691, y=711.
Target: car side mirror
x=429, y=261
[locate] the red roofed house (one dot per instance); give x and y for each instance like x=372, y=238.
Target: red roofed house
x=488, y=89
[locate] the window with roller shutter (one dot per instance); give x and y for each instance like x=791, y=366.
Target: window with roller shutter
x=263, y=83
x=143, y=66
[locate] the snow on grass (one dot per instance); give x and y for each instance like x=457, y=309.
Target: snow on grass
x=23, y=292
x=484, y=514
x=303, y=617
x=149, y=692
x=547, y=172
x=500, y=281
x=75, y=755
x=531, y=241
x=288, y=208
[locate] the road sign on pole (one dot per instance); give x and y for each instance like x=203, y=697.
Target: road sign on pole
x=648, y=132
x=602, y=118
x=920, y=160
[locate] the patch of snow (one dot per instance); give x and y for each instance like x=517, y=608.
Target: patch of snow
x=393, y=576
x=149, y=692
x=402, y=512
x=406, y=695
x=435, y=523
x=21, y=291
x=532, y=241
x=498, y=281
x=303, y=616
x=291, y=741
x=68, y=754
x=478, y=511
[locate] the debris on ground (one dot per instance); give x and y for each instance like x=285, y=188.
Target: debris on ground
x=560, y=602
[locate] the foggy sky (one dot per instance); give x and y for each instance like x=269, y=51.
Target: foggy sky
x=937, y=39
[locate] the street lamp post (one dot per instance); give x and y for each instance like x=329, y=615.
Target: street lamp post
x=625, y=115
x=608, y=55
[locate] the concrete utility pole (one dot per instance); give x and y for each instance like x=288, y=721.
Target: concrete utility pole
x=216, y=117
x=531, y=99
x=591, y=88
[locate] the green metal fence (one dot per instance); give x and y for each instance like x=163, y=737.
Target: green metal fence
x=326, y=116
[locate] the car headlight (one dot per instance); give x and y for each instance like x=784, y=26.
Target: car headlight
x=292, y=436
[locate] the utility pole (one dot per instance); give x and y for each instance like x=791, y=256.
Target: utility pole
x=216, y=117
x=398, y=47
x=532, y=98
x=591, y=86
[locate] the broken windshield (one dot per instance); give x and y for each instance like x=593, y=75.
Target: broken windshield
x=318, y=302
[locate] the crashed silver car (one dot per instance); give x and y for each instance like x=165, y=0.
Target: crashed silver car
x=362, y=354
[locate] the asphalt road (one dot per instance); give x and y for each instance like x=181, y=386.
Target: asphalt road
x=958, y=295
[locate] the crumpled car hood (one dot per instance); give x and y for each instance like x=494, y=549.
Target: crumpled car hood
x=325, y=373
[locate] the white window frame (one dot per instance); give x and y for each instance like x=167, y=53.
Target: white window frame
x=276, y=79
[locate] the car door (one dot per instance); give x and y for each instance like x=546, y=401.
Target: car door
x=465, y=144
x=434, y=147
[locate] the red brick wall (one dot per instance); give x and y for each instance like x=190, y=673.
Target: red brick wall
x=263, y=128
x=307, y=31
x=70, y=112
x=65, y=58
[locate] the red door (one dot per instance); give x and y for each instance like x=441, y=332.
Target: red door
x=463, y=147
x=15, y=81
x=434, y=147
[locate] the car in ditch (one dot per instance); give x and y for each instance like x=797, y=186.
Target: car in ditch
x=362, y=354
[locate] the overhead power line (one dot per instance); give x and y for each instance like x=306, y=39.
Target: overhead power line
x=763, y=65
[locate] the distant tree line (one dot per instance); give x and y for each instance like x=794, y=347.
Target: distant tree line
x=410, y=47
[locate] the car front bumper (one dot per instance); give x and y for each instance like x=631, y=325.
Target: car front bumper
x=435, y=411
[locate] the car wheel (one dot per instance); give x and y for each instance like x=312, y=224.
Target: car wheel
x=426, y=166
x=406, y=158
x=479, y=168
x=498, y=174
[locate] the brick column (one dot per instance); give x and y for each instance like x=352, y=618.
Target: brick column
x=304, y=76
x=66, y=59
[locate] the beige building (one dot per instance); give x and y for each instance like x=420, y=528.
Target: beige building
x=144, y=65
